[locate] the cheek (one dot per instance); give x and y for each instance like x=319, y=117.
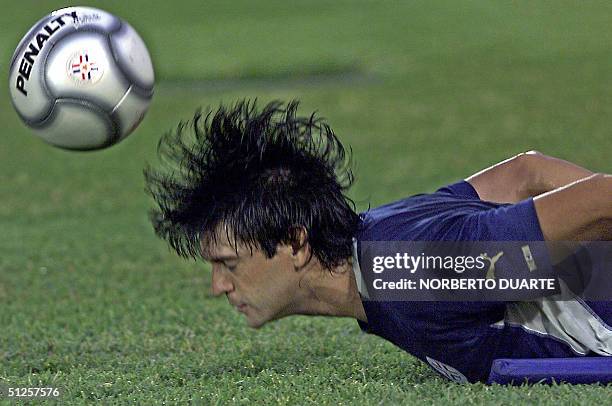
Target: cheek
x=283, y=273
x=273, y=281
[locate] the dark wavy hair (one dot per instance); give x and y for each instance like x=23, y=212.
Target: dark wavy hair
x=260, y=174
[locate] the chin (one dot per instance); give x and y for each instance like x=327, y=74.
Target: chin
x=255, y=323
x=255, y=320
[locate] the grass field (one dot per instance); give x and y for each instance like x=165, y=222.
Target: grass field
x=426, y=92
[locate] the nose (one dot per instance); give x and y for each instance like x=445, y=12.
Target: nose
x=221, y=283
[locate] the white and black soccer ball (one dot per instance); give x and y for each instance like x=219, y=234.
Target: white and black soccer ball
x=81, y=78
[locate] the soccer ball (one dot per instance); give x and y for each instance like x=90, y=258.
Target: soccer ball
x=81, y=79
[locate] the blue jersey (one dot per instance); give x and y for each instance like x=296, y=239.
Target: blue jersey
x=461, y=339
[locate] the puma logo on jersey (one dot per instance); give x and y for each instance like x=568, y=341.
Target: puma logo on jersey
x=492, y=261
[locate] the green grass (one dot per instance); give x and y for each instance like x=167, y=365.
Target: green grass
x=425, y=92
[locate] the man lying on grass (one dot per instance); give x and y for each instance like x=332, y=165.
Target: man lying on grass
x=261, y=195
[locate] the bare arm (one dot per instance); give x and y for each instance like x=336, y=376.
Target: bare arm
x=525, y=175
x=574, y=214
x=571, y=202
x=580, y=211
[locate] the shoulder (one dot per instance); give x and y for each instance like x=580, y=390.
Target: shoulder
x=461, y=188
x=421, y=217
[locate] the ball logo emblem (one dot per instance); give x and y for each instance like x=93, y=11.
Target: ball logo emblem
x=84, y=69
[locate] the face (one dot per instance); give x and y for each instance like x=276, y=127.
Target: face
x=261, y=288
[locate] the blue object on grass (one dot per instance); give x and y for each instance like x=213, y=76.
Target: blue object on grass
x=547, y=370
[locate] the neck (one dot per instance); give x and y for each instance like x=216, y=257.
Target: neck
x=331, y=293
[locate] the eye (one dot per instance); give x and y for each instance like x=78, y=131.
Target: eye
x=230, y=268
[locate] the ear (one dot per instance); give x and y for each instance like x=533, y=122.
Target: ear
x=300, y=249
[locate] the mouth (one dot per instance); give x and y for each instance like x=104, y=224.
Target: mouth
x=239, y=306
